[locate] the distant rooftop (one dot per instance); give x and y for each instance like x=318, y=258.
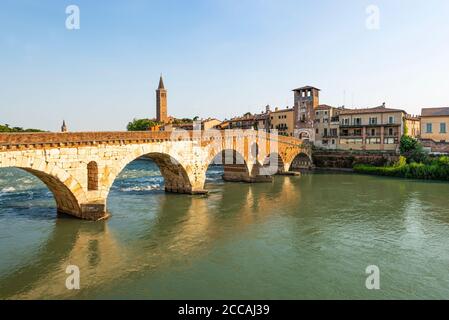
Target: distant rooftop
x=434, y=112
x=379, y=109
x=324, y=107
x=306, y=88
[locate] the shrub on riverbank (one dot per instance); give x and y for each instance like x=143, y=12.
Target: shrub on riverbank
x=436, y=169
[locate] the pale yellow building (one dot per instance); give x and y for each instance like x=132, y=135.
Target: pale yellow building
x=434, y=124
x=413, y=125
x=282, y=120
x=378, y=128
x=209, y=123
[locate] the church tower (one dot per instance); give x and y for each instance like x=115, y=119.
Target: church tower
x=161, y=102
x=64, y=126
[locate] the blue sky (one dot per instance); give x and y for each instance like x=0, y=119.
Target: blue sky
x=219, y=58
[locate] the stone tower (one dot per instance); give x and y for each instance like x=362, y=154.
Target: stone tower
x=161, y=102
x=63, y=127
x=306, y=100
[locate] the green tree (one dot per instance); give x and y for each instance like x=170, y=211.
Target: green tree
x=412, y=149
x=141, y=125
x=7, y=128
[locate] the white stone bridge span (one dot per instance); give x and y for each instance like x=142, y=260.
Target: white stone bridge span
x=80, y=168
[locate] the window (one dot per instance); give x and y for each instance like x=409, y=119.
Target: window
x=373, y=140
x=92, y=176
x=442, y=127
x=428, y=128
x=372, y=120
x=373, y=132
x=390, y=119
x=390, y=141
x=325, y=131
x=357, y=121
x=317, y=131
x=390, y=131
x=309, y=93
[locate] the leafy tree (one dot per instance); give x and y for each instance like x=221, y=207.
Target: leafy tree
x=7, y=128
x=141, y=125
x=412, y=149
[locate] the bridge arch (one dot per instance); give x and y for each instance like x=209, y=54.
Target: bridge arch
x=234, y=164
x=176, y=177
x=275, y=159
x=301, y=160
x=67, y=191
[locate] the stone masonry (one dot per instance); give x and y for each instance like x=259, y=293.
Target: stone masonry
x=80, y=168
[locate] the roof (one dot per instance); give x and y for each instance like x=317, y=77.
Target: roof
x=306, y=88
x=434, y=112
x=161, y=83
x=282, y=110
x=324, y=107
x=412, y=117
x=380, y=109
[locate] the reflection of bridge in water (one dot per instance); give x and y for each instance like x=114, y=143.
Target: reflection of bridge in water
x=80, y=168
x=103, y=257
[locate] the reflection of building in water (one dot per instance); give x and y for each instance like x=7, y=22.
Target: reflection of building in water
x=183, y=230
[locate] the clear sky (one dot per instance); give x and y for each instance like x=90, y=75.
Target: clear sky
x=219, y=58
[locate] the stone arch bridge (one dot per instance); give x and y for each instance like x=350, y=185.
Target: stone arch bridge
x=80, y=168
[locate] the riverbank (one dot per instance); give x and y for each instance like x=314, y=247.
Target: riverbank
x=436, y=169
x=339, y=159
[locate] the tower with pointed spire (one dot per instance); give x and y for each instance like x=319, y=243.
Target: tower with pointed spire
x=63, y=127
x=161, y=102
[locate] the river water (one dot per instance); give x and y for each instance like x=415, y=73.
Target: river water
x=296, y=238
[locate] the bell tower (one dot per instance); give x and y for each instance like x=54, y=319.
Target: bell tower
x=161, y=102
x=306, y=100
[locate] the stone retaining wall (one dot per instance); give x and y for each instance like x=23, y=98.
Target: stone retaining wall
x=347, y=159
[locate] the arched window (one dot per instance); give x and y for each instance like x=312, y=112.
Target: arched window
x=92, y=176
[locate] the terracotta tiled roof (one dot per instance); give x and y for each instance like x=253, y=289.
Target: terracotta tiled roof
x=434, y=112
x=306, y=88
x=379, y=109
x=282, y=110
x=324, y=107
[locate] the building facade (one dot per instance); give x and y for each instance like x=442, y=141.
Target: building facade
x=413, y=125
x=378, y=128
x=327, y=127
x=435, y=124
x=282, y=120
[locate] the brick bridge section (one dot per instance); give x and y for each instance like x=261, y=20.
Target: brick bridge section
x=80, y=168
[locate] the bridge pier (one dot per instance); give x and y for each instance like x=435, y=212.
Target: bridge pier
x=80, y=168
x=239, y=173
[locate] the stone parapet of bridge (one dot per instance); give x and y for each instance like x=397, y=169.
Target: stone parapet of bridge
x=80, y=168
